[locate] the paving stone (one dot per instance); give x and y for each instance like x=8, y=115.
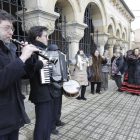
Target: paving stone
x=109, y=116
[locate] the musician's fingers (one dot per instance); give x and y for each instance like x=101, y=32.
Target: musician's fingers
x=22, y=43
x=34, y=50
x=31, y=48
x=21, y=48
x=26, y=43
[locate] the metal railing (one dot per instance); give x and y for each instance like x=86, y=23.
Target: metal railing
x=87, y=43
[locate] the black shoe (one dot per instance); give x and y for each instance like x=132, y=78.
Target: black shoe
x=135, y=94
x=120, y=90
x=78, y=98
x=61, y=124
x=92, y=92
x=55, y=132
x=84, y=98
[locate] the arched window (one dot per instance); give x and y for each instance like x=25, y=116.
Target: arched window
x=58, y=37
x=87, y=43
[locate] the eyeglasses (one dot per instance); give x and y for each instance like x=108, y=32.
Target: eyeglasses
x=8, y=29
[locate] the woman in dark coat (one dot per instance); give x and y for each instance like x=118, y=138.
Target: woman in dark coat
x=132, y=79
x=118, y=69
x=126, y=57
x=96, y=69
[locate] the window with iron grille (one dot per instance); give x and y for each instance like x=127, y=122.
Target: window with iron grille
x=87, y=42
x=58, y=37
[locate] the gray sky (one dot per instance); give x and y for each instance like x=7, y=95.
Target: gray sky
x=134, y=5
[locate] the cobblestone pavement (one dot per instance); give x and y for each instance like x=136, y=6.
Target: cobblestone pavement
x=109, y=116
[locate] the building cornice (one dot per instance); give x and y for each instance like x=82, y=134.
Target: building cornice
x=123, y=9
x=127, y=8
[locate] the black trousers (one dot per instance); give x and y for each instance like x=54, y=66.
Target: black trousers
x=118, y=81
x=43, y=123
x=57, y=106
x=11, y=136
x=83, y=91
x=98, y=86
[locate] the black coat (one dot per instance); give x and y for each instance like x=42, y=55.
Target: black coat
x=40, y=92
x=120, y=65
x=134, y=70
x=12, y=112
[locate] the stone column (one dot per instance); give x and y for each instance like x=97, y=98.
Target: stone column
x=102, y=39
x=126, y=45
x=118, y=43
x=74, y=33
x=123, y=50
x=123, y=47
x=39, y=16
x=111, y=43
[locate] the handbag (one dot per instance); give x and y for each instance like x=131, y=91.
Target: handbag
x=89, y=73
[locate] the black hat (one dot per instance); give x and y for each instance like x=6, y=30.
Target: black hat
x=53, y=47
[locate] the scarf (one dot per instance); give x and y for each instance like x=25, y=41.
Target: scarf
x=39, y=45
x=114, y=67
x=81, y=59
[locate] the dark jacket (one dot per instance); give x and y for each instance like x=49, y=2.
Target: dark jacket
x=12, y=112
x=40, y=92
x=134, y=70
x=120, y=65
x=126, y=64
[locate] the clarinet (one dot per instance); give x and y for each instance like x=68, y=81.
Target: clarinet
x=54, y=61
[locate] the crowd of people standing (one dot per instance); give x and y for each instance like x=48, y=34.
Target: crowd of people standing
x=124, y=69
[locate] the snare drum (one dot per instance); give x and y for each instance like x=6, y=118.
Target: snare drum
x=71, y=89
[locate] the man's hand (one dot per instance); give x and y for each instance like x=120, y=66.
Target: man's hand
x=27, y=51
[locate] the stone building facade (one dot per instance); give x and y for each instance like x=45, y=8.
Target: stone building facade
x=112, y=19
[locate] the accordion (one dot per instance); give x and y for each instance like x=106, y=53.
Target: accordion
x=54, y=73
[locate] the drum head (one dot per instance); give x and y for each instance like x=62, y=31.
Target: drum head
x=72, y=86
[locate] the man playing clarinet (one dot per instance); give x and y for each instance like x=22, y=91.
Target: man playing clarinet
x=12, y=111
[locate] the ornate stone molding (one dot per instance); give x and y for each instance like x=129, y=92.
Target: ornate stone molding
x=102, y=38
x=75, y=31
x=119, y=43
x=39, y=16
x=119, y=6
x=112, y=41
